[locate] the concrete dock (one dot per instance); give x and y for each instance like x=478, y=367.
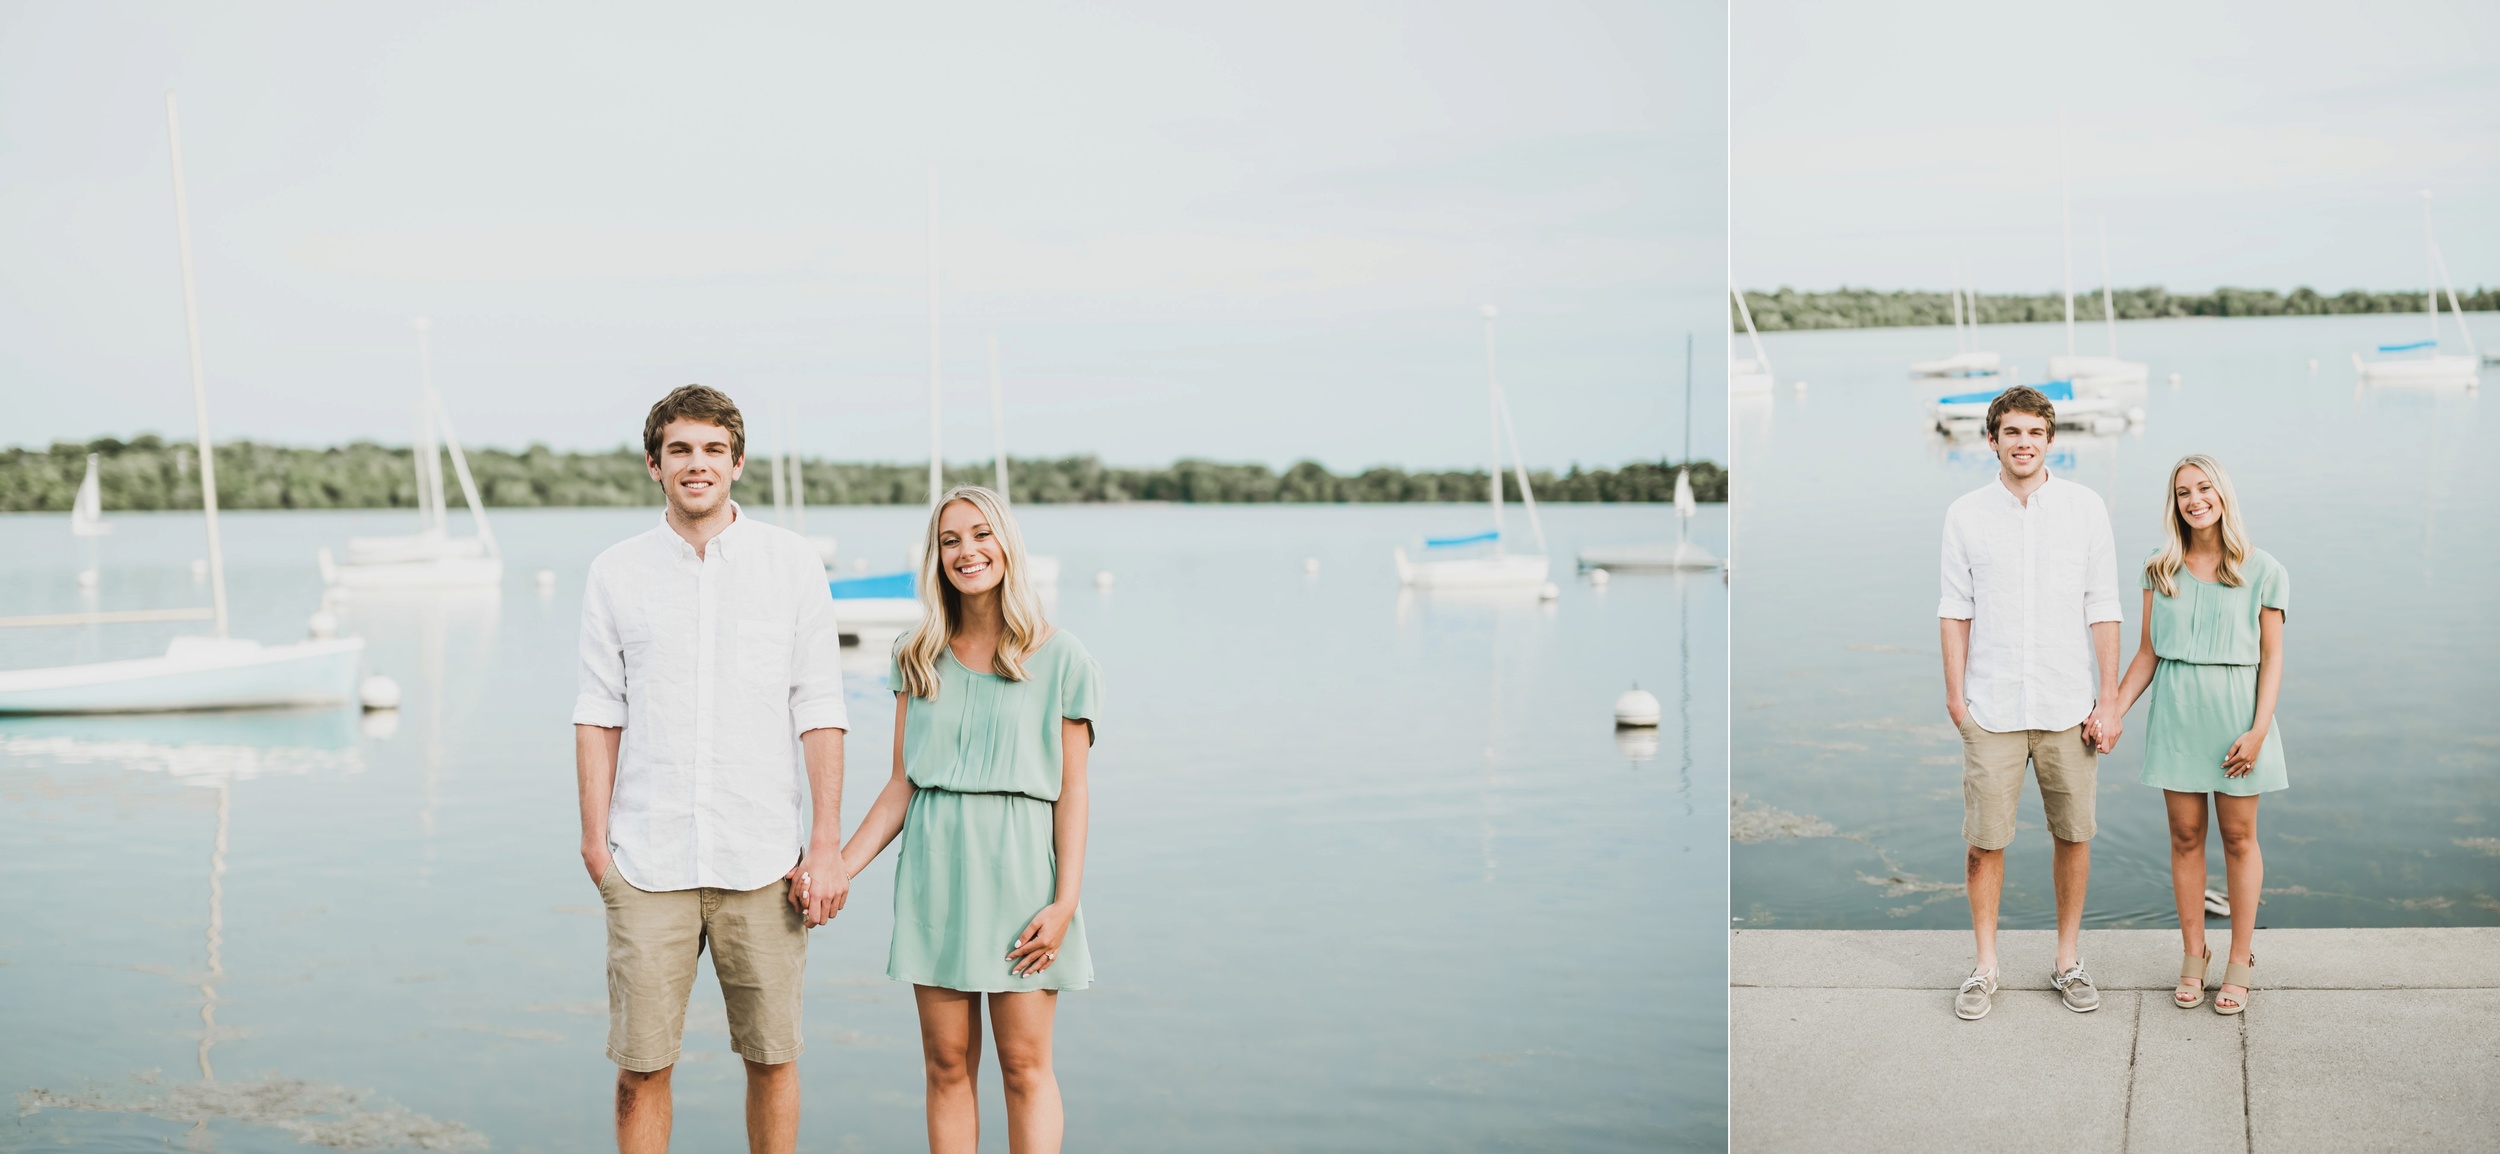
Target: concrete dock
x=2355, y=1040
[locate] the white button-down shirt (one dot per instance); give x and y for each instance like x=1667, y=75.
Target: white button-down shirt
x=2031, y=578
x=713, y=666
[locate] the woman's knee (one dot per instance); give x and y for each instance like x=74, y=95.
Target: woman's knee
x=2185, y=840
x=947, y=1065
x=2239, y=839
x=1024, y=1068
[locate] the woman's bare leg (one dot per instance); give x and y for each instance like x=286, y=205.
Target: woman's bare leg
x=1023, y=1021
x=950, y=1055
x=2187, y=866
x=2245, y=868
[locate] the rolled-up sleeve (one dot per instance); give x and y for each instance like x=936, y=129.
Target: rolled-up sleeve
x=1957, y=603
x=602, y=698
x=2100, y=572
x=816, y=654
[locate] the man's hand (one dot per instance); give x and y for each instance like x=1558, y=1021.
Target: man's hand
x=1959, y=712
x=596, y=859
x=819, y=885
x=2103, y=729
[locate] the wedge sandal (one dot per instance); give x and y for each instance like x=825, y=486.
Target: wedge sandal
x=2243, y=976
x=2191, y=969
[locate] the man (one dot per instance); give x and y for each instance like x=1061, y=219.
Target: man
x=708, y=645
x=2029, y=578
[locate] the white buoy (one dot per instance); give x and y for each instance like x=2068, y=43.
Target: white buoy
x=1310, y=564
x=1103, y=579
x=859, y=564
x=1550, y=592
x=1799, y=386
x=379, y=724
x=2174, y=380
x=2313, y=364
x=87, y=578
x=1599, y=577
x=199, y=569
x=2135, y=416
x=546, y=580
x=379, y=692
x=1636, y=709
x=323, y=626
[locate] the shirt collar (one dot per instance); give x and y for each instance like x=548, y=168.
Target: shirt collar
x=2006, y=496
x=684, y=551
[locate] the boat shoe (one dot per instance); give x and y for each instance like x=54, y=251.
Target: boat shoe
x=2076, y=988
x=1972, y=1002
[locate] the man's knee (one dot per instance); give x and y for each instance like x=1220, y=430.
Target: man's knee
x=636, y=1088
x=771, y=1071
x=1975, y=860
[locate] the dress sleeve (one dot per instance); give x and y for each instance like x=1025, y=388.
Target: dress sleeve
x=1080, y=689
x=2144, y=573
x=894, y=666
x=2274, y=586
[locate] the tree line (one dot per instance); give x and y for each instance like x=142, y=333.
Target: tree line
x=1848, y=308
x=147, y=472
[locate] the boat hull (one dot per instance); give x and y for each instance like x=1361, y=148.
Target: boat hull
x=1657, y=556
x=2423, y=372
x=194, y=674
x=440, y=573
x=1508, y=571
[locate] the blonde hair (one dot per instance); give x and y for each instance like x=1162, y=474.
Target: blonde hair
x=941, y=605
x=2163, y=569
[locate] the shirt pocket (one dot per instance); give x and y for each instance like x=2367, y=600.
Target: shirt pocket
x=763, y=657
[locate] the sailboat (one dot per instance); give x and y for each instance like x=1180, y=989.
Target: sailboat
x=1966, y=362
x=790, y=491
x=1494, y=567
x=430, y=557
x=214, y=672
x=881, y=604
x=2432, y=369
x=2103, y=375
x=86, y=513
x=1749, y=376
x=1682, y=553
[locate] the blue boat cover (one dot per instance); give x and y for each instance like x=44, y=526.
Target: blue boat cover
x=2053, y=390
x=2408, y=348
x=879, y=585
x=1446, y=542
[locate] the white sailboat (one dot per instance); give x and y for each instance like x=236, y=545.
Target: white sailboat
x=1967, y=362
x=1749, y=376
x=1680, y=553
x=215, y=672
x=790, y=491
x=1493, y=567
x=2431, y=369
x=2098, y=376
x=86, y=513
x=431, y=557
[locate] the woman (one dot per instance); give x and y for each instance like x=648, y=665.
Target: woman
x=993, y=718
x=2212, y=653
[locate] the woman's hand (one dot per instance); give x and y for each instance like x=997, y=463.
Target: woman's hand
x=1038, y=946
x=2243, y=755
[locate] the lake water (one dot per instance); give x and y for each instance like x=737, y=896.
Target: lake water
x=2384, y=505
x=1367, y=872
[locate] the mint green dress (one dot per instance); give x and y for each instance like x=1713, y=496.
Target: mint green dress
x=976, y=859
x=2204, y=689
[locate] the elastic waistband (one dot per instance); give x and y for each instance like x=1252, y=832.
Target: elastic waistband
x=977, y=792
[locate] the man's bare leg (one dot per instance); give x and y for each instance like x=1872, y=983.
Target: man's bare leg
x=950, y=1054
x=1983, y=878
x=2071, y=864
x=642, y=1111
x=1034, y=1117
x=773, y=1108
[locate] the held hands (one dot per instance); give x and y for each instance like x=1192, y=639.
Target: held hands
x=2102, y=730
x=819, y=884
x=1038, y=946
x=2243, y=755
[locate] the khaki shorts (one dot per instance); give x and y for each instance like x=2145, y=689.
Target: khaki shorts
x=1992, y=782
x=759, y=950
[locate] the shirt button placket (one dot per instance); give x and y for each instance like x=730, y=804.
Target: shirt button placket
x=706, y=634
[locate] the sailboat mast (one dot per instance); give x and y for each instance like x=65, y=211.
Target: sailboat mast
x=937, y=483
x=2109, y=310
x=2430, y=261
x=199, y=374
x=781, y=483
x=1493, y=407
x=998, y=421
x=434, y=511
x=2066, y=227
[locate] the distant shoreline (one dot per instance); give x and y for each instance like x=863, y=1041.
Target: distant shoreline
x=1788, y=310
x=147, y=472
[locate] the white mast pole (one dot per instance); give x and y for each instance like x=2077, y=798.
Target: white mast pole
x=2109, y=310
x=998, y=420
x=781, y=482
x=1960, y=344
x=199, y=373
x=2430, y=259
x=2066, y=227
x=1493, y=406
x=433, y=512
x=937, y=482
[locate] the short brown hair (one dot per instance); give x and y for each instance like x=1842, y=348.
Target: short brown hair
x=2022, y=399
x=696, y=403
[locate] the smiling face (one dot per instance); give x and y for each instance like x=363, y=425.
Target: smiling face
x=2198, y=501
x=2021, y=441
x=695, y=467
x=969, y=552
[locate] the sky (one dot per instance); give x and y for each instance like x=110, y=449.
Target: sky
x=2264, y=145
x=1246, y=232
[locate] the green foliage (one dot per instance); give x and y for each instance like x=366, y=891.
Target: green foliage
x=1848, y=308
x=146, y=472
